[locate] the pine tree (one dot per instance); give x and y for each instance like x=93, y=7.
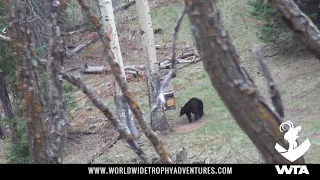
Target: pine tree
x=274, y=31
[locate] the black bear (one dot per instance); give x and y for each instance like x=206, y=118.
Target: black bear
x=194, y=106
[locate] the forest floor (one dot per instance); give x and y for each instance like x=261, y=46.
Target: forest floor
x=216, y=138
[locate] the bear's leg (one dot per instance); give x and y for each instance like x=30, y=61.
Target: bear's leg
x=189, y=117
x=196, y=116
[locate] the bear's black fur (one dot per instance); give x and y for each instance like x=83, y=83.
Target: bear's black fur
x=194, y=106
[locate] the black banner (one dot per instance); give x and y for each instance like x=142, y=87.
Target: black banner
x=158, y=170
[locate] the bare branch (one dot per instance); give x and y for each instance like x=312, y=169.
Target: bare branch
x=98, y=102
x=135, y=108
x=273, y=90
x=102, y=149
x=302, y=25
x=76, y=32
x=172, y=72
x=234, y=86
x=81, y=47
x=125, y=5
x=191, y=63
x=174, y=38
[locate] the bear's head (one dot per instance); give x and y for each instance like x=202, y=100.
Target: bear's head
x=182, y=112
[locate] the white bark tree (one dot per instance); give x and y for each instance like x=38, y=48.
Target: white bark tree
x=123, y=111
x=158, y=118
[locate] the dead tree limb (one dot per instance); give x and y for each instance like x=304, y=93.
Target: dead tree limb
x=134, y=106
x=100, y=151
x=81, y=47
x=273, y=90
x=174, y=39
x=172, y=72
x=191, y=63
x=169, y=46
x=188, y=54
x=301, y=25
x=72, y=69
x=139, y=67
x=5, y=38
x=131, y=69
x=233, y=85
x=98, y=102
x=125, y=5
x=76, y=32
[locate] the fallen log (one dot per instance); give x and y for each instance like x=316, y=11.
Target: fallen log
x=134, y=73
x=188, y=54
x=158, y=46
x=5, y=38
x=125, y=5
x=101, y=69
x=167, y=64
x=96, y=70
x=81, y=47
x=132, y=18
x=140, y=67
x=75, y=32
x=73, y=69
x=192, y=62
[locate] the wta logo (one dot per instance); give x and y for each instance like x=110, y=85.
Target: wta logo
x=294, y=152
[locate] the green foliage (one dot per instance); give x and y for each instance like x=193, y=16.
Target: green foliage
x=68, y=88
x=2, y=18
x=273, y=30
x=18, y=153
x=7, y=65
x=69, y=100
x=41, y=50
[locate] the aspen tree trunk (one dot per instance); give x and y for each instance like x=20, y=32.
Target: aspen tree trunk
x=123, y=111
x=57, y=117
x=158, y=118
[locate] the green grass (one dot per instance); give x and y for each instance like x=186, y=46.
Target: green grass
x=166, y=18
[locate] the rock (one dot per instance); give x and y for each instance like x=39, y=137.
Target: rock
x=158, y=133
x=165, y=133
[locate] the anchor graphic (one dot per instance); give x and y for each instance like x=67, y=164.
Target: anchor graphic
x=294, y=151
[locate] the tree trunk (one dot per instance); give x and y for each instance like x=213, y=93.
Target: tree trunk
x=232, y=83
x=105, y=37
x=1, y=133
x=158, y=118
x=57, y=118
x=2, y=136
x=22, y=39
x=6, y=104
x=123, y=112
